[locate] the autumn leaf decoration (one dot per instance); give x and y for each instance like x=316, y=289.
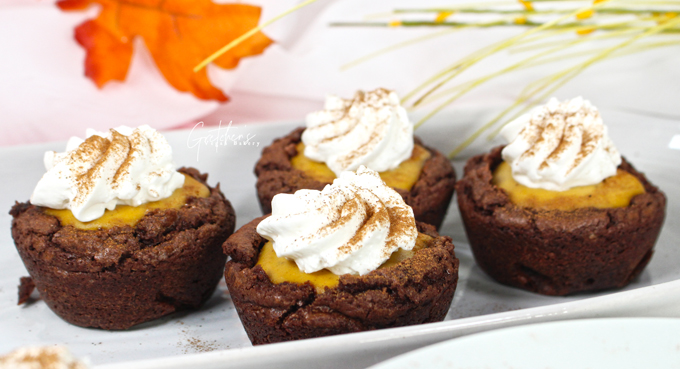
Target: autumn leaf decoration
x=178, y=33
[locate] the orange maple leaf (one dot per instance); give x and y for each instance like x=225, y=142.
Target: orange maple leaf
x=178, y=33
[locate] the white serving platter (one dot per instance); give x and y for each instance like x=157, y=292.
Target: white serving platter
x=621, y=343
x=213, y=336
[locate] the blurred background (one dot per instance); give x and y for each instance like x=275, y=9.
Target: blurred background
x=45, y=96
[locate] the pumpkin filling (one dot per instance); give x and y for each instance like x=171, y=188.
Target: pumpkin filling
x=282, y=270
x=614, y=192
x=129, y=215
x=402, y=177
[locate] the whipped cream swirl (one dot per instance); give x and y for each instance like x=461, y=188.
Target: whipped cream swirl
x=351, y=226
x=371, y=129
x=559, y=146
x=124, y=166
x=32, y=357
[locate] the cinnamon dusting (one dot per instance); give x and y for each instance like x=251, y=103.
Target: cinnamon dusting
x=402, y=224
x=588, y=144
x=118, y=148
x=558, y=130
x=354, y=205
x=351, y=115
x=40, y=357
x=100, y=151
x=375, y=217
x=365, y=148
x=93, y=150
x=362, y=214
x=135, y=141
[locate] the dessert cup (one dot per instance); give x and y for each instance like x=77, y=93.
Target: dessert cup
x=556, y=252
x=120, y=276
x=429, y=197
x=416, y=290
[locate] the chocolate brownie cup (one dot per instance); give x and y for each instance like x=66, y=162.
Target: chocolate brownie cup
x=117, y=277
x=414, y=291
x=556, y=252
x=429, y=197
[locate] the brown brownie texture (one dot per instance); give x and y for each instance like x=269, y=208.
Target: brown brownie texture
x=555, y=252
x=417, y=290
x=26, y=287
x=429, y=197
x=118, y=277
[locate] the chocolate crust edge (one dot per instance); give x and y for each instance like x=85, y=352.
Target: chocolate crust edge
x=429, y=197
x=555, y=252
x=122, y=276
x=417, y=290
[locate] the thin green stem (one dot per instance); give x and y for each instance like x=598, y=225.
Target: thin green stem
x=464, y=64
x=527, y=12
x=424, y=24
x=597, y=37
x=525, y=63
x=638, y=2
x=446, y=70
x=510, y=23
x=557, y=81
x=394, y=47
x=535, y=59
x=519, y=65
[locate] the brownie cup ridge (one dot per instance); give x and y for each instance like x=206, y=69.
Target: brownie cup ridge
x=417, y=290
x=556, y=252
x=118, y=277
x=429, y=197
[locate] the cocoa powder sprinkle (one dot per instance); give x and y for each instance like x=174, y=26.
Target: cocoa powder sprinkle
x=562, y=128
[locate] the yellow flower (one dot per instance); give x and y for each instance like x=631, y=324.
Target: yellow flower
x=527, y=4
x=521, y=20
x=585, y=14
x=441, y=17
x=585, y=31
x=666, y=17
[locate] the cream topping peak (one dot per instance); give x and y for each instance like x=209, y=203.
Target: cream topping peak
x=560, y=145
x=47, y=357
x=124, y=166
x=351, y=226
x=370, y=129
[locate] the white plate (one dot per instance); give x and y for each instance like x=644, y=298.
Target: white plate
x=624, y=343
x=479, y=304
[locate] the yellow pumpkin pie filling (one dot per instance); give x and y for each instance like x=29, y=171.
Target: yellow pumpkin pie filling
x=129, y=215
x=282, y=270
x=614, y=192
x=403, y=177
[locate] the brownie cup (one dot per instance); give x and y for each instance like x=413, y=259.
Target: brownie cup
x=416, y=290
x=556, y=252
x=118, y=277
x=429, y=197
